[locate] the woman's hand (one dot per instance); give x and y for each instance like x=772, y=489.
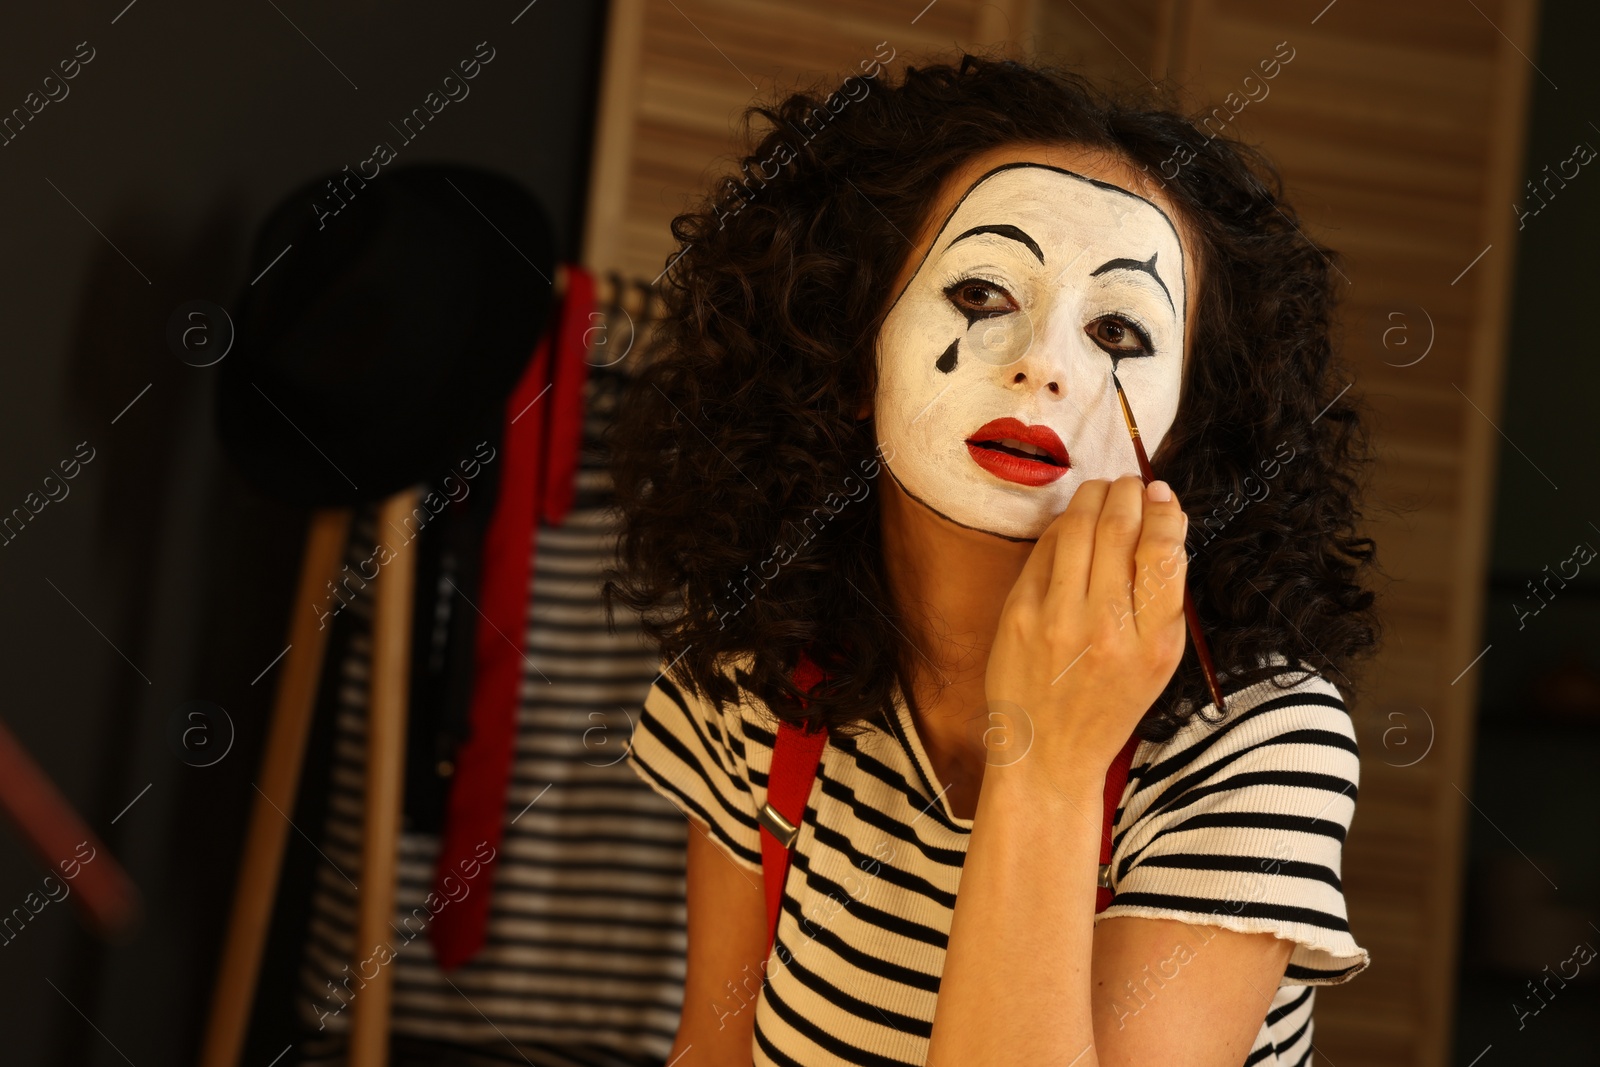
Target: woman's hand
x=1093, y=629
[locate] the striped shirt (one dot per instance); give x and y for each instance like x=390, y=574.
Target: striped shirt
x=1238, y=825
x=584, y=960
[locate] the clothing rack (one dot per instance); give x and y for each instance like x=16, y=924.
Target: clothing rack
x=613, y=290
x=636, y=303
x=630, y=307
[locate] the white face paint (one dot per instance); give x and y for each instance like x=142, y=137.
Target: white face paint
x=1036, y=274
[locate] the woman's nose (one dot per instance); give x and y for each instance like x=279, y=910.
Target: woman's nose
x=1046, y=361
x=1051, y=383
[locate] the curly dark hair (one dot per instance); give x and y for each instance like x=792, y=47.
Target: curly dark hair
x=735, y=445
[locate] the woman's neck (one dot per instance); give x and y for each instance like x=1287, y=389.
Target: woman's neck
x=949, y=585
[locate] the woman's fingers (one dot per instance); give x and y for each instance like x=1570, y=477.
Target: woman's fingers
x=1074, y=533
x=1059, y=562
x=1114, y=553
x=1116, y=536
x=1161, y=564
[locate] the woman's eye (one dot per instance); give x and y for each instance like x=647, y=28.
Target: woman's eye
x=1118, y=336
x=980, y=300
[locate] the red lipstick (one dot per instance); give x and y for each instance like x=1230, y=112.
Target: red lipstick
x=1010, y=449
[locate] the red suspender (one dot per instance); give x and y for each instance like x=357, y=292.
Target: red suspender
x=795, y=756
x=1116, y=781
x=794, y=768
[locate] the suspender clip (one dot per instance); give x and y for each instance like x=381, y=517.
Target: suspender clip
x=785, y=831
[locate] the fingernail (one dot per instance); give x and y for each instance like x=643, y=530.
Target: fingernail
x=1158, y=492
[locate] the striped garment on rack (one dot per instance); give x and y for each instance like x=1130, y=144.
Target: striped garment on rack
x=584, y=961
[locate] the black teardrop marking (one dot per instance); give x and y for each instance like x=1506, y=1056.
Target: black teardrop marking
x=947, y=362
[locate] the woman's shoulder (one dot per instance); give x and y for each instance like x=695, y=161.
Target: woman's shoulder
x=1241, y=822
x=1285, y=753
x=737, y=725
x=1297, y=717
x=731, y=677
x=706, y=756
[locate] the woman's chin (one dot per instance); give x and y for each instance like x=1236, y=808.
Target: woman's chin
x=1007, y=518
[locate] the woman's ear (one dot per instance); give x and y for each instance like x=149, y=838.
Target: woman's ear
x=864, y=412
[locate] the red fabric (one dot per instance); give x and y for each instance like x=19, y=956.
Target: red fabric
x=566, y=397
x=795, y=755
x=537, y=468
x=1116, y=781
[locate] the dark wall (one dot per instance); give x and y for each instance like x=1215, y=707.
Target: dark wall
x=1533, y=872
x=154, y=577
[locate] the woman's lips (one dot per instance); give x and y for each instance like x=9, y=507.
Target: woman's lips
x=987, y=452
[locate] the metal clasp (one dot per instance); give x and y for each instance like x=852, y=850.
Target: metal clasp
x=781, y=828
x=1105, y=876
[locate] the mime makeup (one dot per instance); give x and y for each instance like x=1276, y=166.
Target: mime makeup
x=994, y=399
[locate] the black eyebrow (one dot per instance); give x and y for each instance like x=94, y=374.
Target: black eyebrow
x=1148, y=266
x=1004, y=231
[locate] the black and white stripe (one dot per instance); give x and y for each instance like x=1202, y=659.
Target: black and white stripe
x=1237, y=825
x=584, y=960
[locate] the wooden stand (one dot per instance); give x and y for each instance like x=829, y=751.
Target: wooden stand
x=262, y=863
x=385, y=781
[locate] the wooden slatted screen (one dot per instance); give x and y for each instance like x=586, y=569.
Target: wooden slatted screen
x=678, y=73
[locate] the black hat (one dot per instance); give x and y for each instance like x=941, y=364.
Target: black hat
x=386, y=327
x=384, y=342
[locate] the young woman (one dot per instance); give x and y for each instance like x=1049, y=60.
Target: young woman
x=882, y=432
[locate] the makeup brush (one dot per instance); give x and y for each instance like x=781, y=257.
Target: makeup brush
x=1191, y=616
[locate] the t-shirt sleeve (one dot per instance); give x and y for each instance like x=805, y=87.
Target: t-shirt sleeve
x=694, y=756
x=1242, y=825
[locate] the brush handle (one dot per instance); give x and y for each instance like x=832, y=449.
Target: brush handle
x=1202, y=651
